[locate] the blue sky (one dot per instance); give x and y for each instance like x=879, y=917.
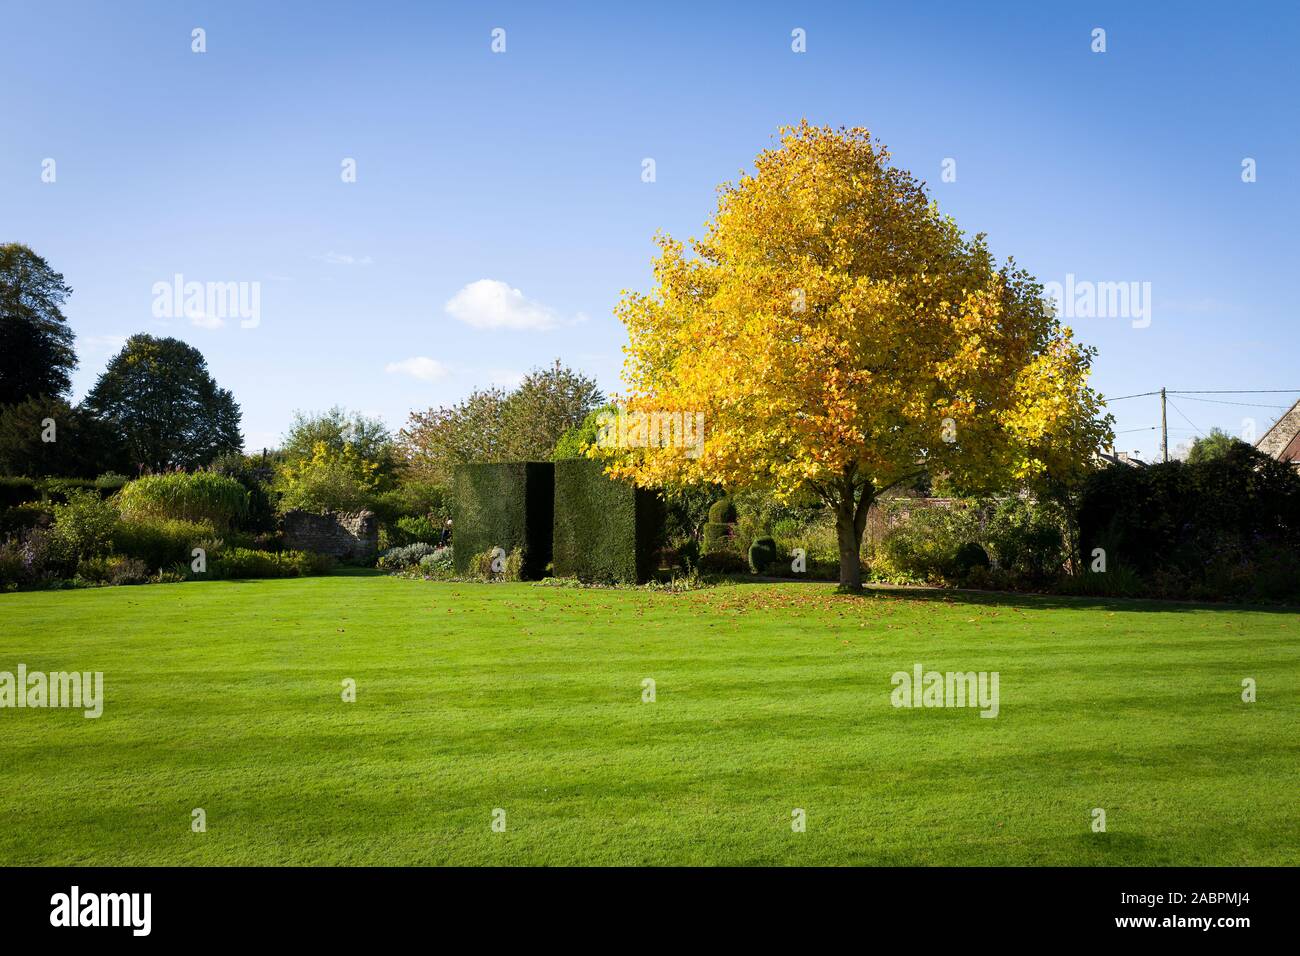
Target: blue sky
x=524, y=168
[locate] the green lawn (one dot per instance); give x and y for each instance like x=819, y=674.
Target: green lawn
x=227, y=696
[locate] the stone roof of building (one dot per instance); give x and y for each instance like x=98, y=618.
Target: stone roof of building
x=1282, y=440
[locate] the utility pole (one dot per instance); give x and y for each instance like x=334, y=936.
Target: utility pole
x=1164, y=429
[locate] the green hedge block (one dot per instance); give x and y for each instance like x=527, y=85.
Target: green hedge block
x=717, y=536
x=508, y=506
x=605, y=531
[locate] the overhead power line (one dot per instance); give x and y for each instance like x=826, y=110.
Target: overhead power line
x=1211, y=391
x=1186, y=419
x=1219, y=401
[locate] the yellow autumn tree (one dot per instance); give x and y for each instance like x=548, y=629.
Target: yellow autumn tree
x=841, y=336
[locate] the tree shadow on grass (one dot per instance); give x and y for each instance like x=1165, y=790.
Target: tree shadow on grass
x=1024, y=599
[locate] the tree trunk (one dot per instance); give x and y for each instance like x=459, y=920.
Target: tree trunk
x=850, y=523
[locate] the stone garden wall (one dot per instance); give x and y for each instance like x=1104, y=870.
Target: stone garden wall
x=345, y=535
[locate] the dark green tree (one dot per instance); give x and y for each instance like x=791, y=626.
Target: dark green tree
x=36, y=354
x=157, y=392
x=42, y=437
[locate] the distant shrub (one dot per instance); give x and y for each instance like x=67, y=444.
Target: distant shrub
x=1026, y=539
x=56, y=490
x=115, y=570
x=187, y=496
x=13, y=569
x=413, y=498
x=923, y=546
x=1223, y=528
x=485, y=565
x=247, y=563
x=122, y=570
x=111, y=481
x=404, y=556
x=330, y=479
x=162, y=543
x=438, y=564
x=1119, y=581
x=84, y=526
x=17, y=491
x=256, y=473
x=21, y=517
x=418, y=528
x=762, y=554
x=723, y=562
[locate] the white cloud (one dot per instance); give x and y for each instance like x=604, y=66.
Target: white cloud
x=492, y=304
x=341, y=259
x=419, y=366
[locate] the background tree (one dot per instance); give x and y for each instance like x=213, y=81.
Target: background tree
x=329, y=479
x=436, y=440
x=171, y=414
x=83, y=446
x=339, y=430
x=36, y=354
x=1217, y=444
x=547, y=403
x=840, y=335
x=494, y=425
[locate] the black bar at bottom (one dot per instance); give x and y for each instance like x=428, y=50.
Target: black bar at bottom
x=946, y=906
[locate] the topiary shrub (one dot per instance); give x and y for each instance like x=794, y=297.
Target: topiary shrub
x=762, y=554
x=508, y=506
x=605, y=531
x=187, y=496
x=723, y=511
x=717, y=537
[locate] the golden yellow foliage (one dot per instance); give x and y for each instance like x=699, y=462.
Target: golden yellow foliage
x=839, y=334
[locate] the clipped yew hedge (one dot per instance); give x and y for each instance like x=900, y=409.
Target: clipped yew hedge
x=507, y=505
x=605, y=531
